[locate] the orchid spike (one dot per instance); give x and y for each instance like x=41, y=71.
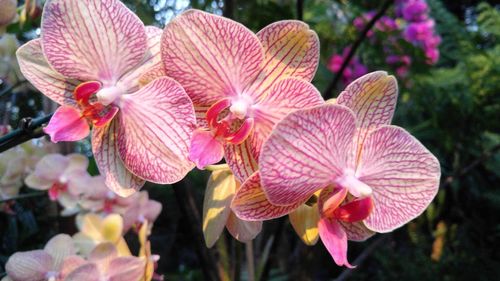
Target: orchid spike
x=350, y=153
x=217, y=213
x=90, y=59
x=241, y=84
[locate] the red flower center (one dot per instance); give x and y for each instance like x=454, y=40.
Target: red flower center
x=95, y=112
x=228, y=121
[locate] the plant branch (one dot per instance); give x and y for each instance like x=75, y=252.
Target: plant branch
x=23, y=196
x=361, y=37
x=10, y=88
x=250, y=260
x=28, y=129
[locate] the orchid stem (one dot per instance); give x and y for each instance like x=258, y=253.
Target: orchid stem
x=23, y=196
x=361, y=37
x=29, y=129
x=250, y=260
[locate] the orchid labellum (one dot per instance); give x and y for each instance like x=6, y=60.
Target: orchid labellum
x=91, y=59
x=241, y=84
x=372, y=176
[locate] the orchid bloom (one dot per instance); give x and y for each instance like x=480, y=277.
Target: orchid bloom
x=95, y=230
x=91, y=58
x=140, y=211
x=217, y=214
x=52, y=263
x=96, y=197
x=8, y=14
x=241, y=84
x=105, y=263
x=59, y=175
x=372, y=176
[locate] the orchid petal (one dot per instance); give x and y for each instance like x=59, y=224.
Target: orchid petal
x=304, y=221
x=205, y=149
x=150, y=68
x=85, y=272
x=28, y=266
x=126, y=269
x=36, y=182
x=356, y=231
x=286, y=96
x=156, y=124
x=77, y=162
x=240, y=159
x=69, y=264
x=334, y=238
x=37, y=70
x=291, y=50
x=153, y=210
x=400, y=170
x=60, y=247
x=92, y=39
x=67, y=124
x=250, y=202
x=243, y=231
x=51, y=166
x=305, y=151
x=220, y=190
x=103, y=254
x=111, y=227
x=372, y=98
x=211, y=56
x=117, y=177
x=330, y=199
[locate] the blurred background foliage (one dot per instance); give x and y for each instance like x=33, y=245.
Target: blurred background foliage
x=452, y=107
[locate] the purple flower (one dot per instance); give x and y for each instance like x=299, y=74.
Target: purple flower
x=415, y=10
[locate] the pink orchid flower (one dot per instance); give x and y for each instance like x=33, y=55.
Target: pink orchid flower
x=60, y=175
x=52, y=263
x=241, y=84
x=104, y=263
x=90, y=59
x=373, y=177
x=97, y=198
x=143, y=209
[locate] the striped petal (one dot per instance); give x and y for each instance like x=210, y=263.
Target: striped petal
x=305, y=151
x=250, y=202
x=37, y=70
x=150, y=67
x=372, y=98
x=285, y=97
x=241, y=159
x=117, y=177
x=356, y=231
x=211, y=56
x=243, y=231
x=334, y=238
x=291, y=50
x=60, y=247
x=85, y=272
x=156, y=124
x=403, y=174
x=126, y=269
x=92, y=39
x=220, y=190
x=28, y=266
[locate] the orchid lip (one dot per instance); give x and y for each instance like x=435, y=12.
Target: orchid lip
x=243, y=132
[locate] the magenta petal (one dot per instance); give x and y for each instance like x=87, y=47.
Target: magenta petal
x=37, y=70
x=67, y=124
x=205, y=149
x=211, y=56
x=334, y=238
x=92, y=39
x=85, y=272
x=26, y=266
x=117, y=177
x=399, y=169
x=356, y=231
x=305, y=152
x=156, y=125
x=250, y=202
